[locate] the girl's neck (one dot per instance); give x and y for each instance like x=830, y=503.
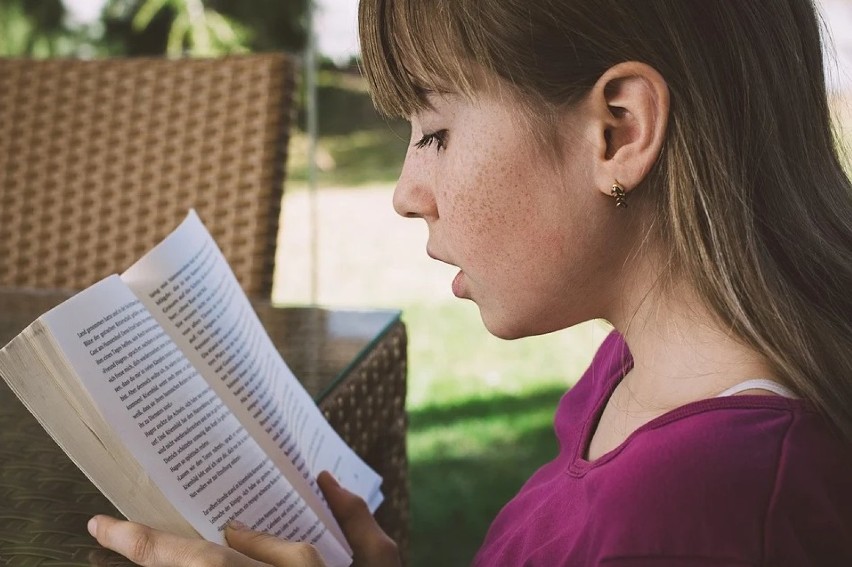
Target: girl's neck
x=681, y=352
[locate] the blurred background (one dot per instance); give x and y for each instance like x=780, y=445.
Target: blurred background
x=480, y=408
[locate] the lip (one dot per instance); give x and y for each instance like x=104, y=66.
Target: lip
x=458, y=285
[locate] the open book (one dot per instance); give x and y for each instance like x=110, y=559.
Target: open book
x=163, y=387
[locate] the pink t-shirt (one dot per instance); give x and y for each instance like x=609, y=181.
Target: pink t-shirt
x=739, y=480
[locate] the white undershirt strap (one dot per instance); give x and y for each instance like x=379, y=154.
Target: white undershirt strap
x=759, y=384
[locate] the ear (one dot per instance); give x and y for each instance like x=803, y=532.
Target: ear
x=630, y=109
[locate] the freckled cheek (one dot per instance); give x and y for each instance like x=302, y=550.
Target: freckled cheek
x=474, y=229
x=489, y=227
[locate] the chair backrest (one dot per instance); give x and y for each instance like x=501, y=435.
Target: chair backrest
x=101, y=159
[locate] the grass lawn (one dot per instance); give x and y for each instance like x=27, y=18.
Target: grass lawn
x=466, y=460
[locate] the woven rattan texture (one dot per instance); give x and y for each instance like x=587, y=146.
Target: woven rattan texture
x=371, y=418
x=101, y=159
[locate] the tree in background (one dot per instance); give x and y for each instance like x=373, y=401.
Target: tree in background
x=204, y=28
x=42, y=28
x=34, y=27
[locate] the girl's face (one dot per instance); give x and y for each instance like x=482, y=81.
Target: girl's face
x=528, y=234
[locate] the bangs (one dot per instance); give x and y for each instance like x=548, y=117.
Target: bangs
x=413, y=47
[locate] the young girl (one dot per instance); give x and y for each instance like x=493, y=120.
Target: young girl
x=666, y=165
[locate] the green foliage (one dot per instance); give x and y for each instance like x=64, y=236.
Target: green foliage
x=275, y=24
x=204, y=27
x=195, y=29
x=33, y=28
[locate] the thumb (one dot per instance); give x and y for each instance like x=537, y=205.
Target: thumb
x=269, y=549
x=369, y=542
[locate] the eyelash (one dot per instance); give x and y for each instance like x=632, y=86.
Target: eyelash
x=440, y=136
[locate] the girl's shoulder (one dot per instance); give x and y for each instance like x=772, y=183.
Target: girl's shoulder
x=765, y=475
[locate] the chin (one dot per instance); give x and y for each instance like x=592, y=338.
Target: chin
x=511, y=328
x=505, y=333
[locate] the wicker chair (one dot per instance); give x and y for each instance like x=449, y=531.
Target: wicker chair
x=99, y=160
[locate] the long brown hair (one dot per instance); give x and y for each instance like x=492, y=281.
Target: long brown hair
x=749, y=189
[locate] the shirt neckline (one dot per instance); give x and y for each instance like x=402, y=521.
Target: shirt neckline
x=580, y=465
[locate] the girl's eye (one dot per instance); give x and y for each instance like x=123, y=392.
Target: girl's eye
x=439, y=137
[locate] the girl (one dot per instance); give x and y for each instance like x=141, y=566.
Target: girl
x=666, y=165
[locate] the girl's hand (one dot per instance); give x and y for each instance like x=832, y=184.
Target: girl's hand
x=153, y=548
x=371, y=546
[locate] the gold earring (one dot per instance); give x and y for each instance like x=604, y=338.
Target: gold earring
x=619, y=195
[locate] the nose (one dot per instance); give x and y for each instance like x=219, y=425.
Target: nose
x=414, y=196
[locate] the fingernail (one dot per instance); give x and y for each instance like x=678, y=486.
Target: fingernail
x=238, y=525
x=92, y=526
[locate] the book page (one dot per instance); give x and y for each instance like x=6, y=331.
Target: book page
x=40, y=376
x=175, y=425
x=189, y=287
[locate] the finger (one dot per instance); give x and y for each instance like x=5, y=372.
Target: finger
x=350, y=511
x=270, y=549
x=153, y=548
x=371, y=544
